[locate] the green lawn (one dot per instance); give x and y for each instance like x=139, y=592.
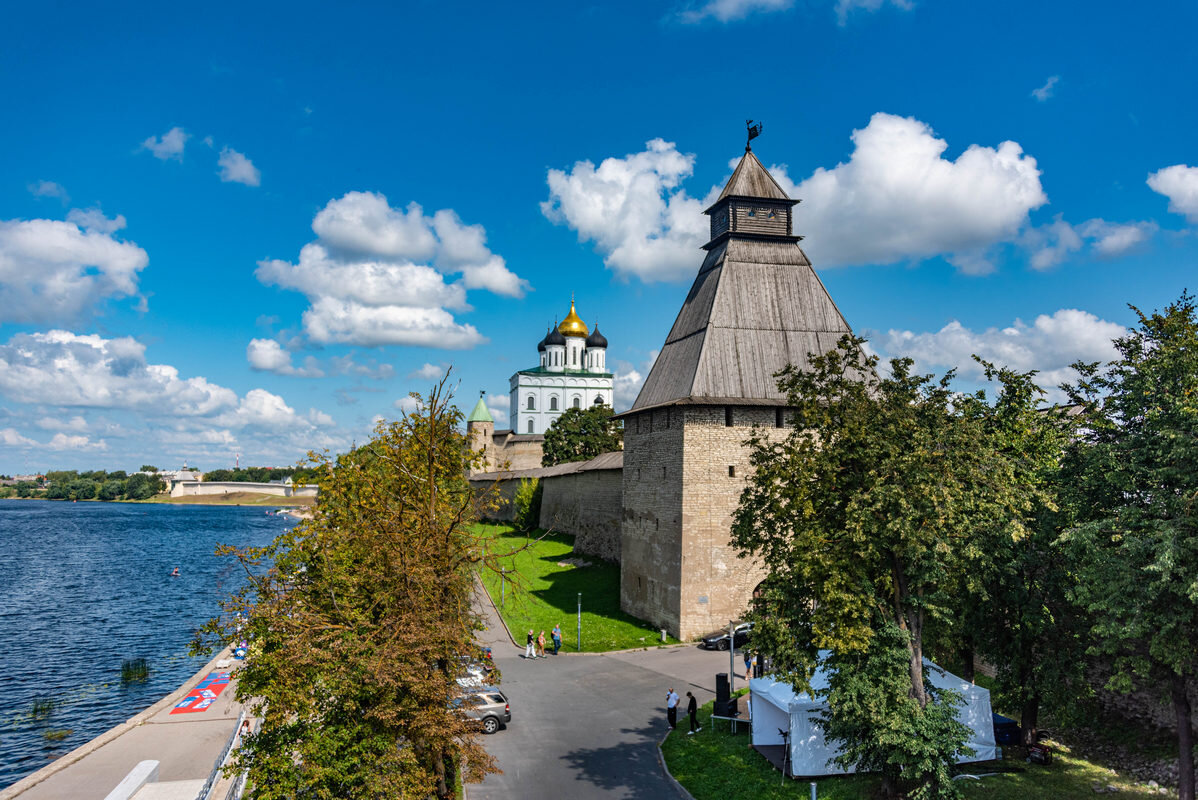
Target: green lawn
x=539, y=593
x=716, y=766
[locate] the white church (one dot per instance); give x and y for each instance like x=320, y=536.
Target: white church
x=572, y=374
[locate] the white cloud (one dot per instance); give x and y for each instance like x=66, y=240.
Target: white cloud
x=49, y=189
x=62, y=441
x=499, y=405
x=53, y=271
x=428, y=372
x=1050, y=344
x=94, y=220
x=76, y=423
x=170, y=145
x=236, y=168
x=407, y=404
x=365, y=285
x=629, y=380
x=1113, y=238
x=1180, y=184
x=267, y=355
x=730, y=10
x=61, y=368
x=345, y=365
x=634, y=211
x=10, y=437
x=1049, y=245
x=844, y=7
x=1044, y=92
x=897, y=198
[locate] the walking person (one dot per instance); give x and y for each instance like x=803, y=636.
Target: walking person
x=530, y=647
x=556, y=634
x=748, y=664
x=672, y=708
x=541, y=644
x=692, y=708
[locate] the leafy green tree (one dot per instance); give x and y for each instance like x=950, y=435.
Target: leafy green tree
x=581, y=434
x=148, y=468
x=1136, y=470
x=527, y=504
x=111, y=490
x=357, y=620
x=1019, y=615
x=143, y=487
x=863, y=516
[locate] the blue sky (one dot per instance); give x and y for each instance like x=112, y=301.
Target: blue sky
x=208, y=243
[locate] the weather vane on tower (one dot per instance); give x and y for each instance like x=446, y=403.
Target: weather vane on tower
x=754, y=132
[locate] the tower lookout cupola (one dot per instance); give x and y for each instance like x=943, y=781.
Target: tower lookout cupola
x=752, y=206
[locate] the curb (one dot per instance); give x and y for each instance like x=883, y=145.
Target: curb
x=661, y=762
x=87, y=748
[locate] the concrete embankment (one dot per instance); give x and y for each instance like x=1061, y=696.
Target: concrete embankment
x=185, y=745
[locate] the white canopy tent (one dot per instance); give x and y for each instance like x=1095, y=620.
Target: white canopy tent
x=776, y=706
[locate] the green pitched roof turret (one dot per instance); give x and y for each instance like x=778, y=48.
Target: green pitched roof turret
x=480, y=412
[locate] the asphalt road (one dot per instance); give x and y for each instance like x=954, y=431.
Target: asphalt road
x=587, y=726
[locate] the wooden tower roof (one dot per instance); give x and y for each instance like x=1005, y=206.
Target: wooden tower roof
x=755, y=306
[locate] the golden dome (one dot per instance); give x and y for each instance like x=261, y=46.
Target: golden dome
x=573, y=325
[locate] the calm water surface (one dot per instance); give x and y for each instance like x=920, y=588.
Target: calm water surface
x=84, y=586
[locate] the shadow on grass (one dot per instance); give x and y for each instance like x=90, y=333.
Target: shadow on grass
x=625, y=769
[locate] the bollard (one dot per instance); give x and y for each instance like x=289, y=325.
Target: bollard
x=813, y=790
x=663, y=635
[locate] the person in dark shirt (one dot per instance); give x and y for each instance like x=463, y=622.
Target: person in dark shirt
x=692, y=708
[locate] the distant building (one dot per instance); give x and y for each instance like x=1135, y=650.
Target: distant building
x=572, y=374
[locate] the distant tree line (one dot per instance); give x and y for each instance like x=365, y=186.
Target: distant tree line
x=93, y=485
x=261, y=474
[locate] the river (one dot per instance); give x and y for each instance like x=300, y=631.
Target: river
x=84, y=586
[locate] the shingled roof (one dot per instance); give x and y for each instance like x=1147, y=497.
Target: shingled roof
x=755, y=306
x=750, y=179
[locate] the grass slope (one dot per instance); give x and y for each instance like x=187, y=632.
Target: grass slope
x=540, y=593
x=716, y=766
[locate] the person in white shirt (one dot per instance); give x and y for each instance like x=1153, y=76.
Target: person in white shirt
x=672, y=708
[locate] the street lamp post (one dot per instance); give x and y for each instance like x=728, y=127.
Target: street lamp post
x=580, y=622
x=503, y=586
x=731, y=657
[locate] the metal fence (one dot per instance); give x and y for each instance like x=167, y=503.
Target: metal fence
x=210, y=784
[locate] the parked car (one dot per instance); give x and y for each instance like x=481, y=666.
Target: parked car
x=486, y=704
x=718, y=640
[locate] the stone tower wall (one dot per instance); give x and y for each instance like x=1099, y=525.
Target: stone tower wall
x=716, y=584
x=481, y=436
x=651, y=527
x=677, y=569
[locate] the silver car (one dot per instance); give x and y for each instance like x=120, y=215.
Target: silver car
x=486, y=704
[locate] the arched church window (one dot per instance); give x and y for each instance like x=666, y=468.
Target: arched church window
x=530, y=426
x=553, y=404
x=576, y=358
x=532, y=403
x=577, y=402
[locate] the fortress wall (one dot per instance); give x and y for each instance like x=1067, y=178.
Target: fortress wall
x=651, y=525
x=197, y=488
x=587, y=505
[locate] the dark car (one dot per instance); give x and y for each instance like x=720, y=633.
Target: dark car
x=486, y=704
x=718, y=640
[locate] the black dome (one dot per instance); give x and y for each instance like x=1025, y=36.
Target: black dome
x=555, y=337
x=596, y=339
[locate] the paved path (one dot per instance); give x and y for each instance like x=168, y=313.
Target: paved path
x=587, y=726
x=186, y=745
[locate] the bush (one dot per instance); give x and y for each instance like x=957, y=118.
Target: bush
x=528, y=504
